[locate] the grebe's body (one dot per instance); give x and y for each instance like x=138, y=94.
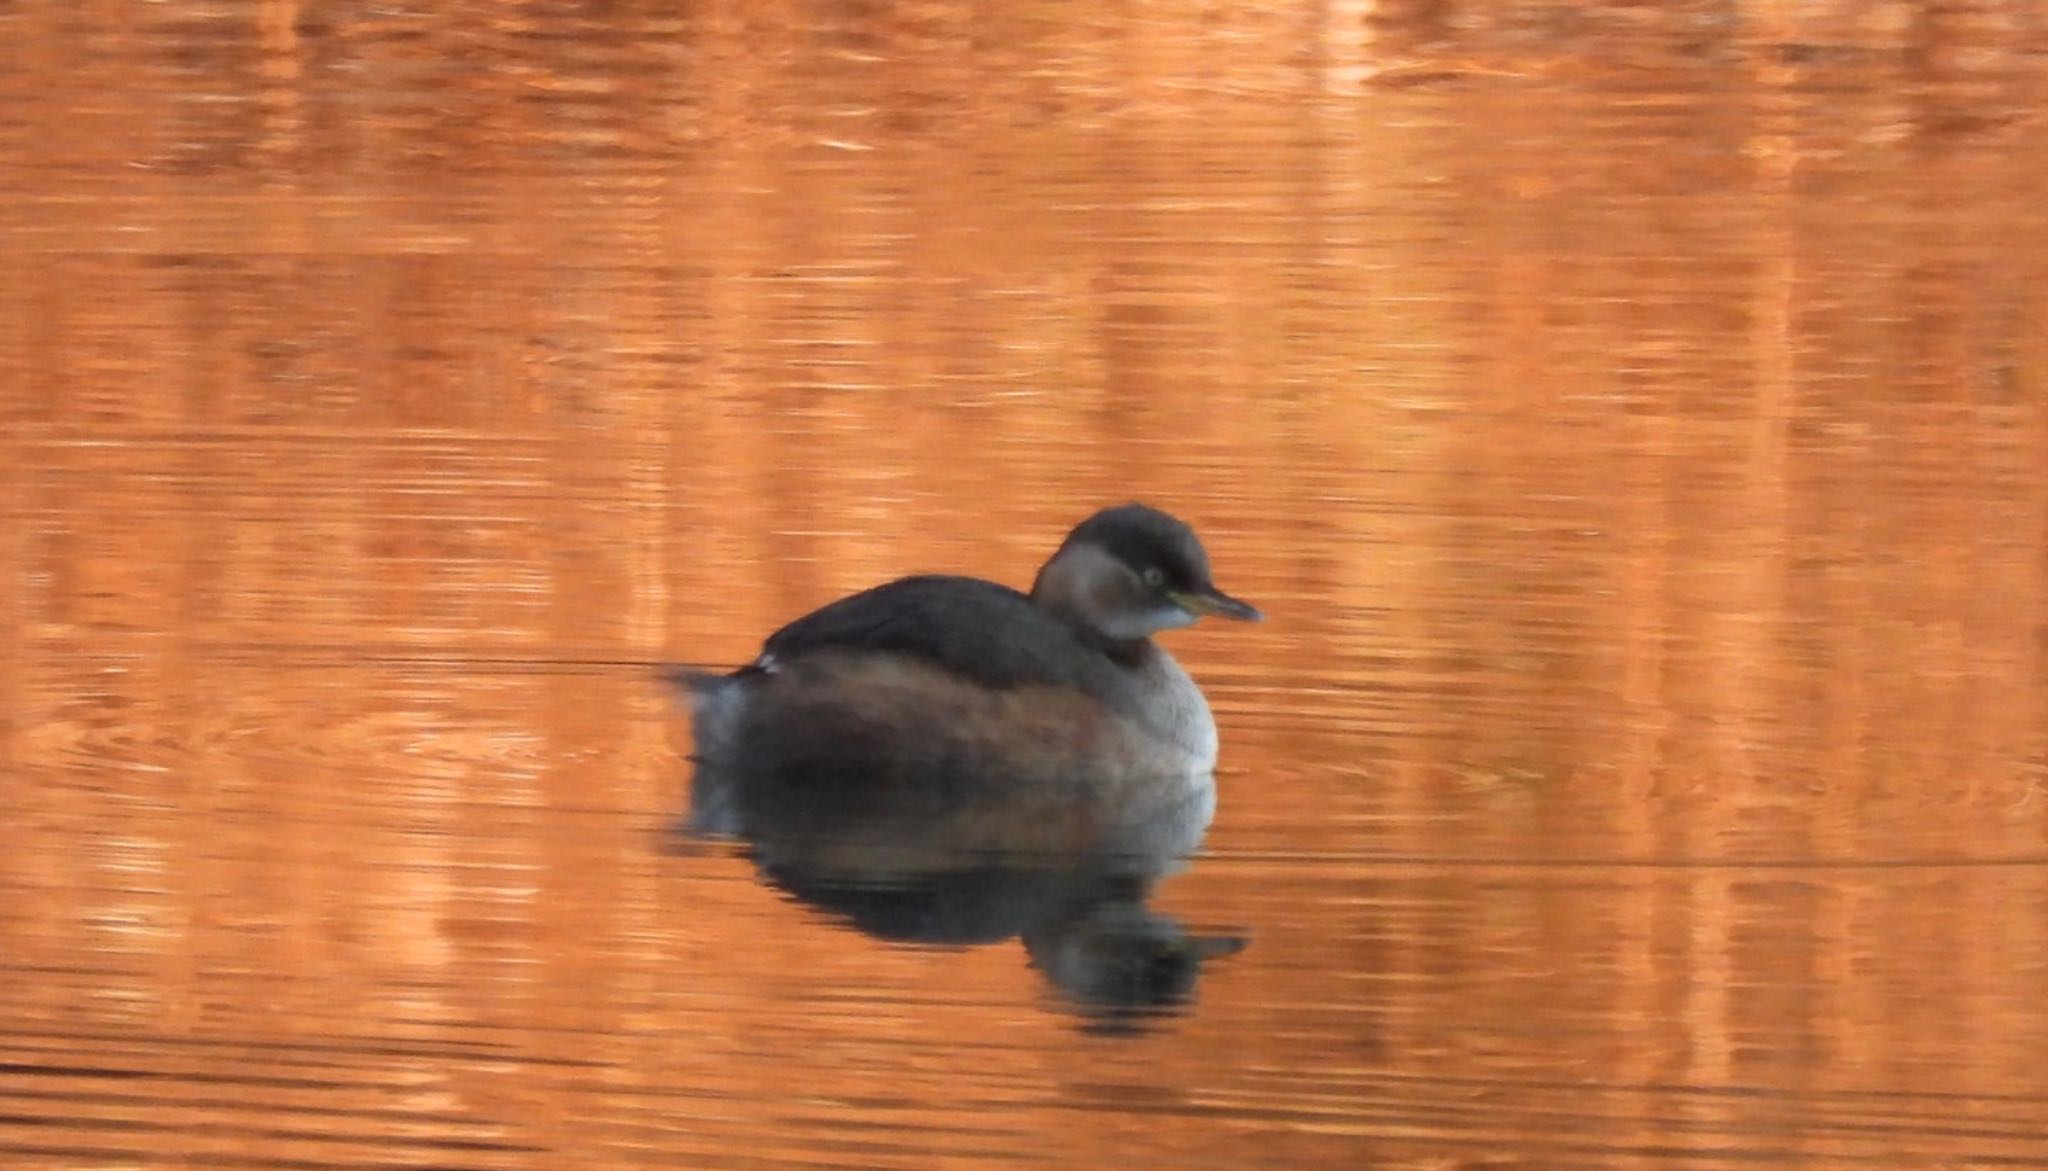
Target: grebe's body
x=1047, y=721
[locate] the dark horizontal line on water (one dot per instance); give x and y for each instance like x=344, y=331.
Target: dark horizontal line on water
x=220, y=1160
x=1452, y=1123
x=373, y=1047
x=333, y=655
x=285, y=1060
x=54, y=1122
x=123, y=437
x=58, y=969
x=1506, y=1127
x=914, y=1141
x=1624, y=1109
x=539, y=664
x=784, y=1159
x=1685, y=1089
x=1497, y=862
x=647, y=1121
x=111, y=1073
x=106, y=1098
x=213, y=1127
x=1448, y=1124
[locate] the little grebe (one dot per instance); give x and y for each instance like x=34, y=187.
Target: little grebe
x=1047, y=721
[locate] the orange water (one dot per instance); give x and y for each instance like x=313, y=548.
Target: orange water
x=1631, y=417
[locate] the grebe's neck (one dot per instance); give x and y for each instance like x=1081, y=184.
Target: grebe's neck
x=1098, y=596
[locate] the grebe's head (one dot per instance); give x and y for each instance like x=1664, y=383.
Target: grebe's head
x=1129, y=572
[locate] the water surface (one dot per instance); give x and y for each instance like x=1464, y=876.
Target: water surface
x=1630, y=417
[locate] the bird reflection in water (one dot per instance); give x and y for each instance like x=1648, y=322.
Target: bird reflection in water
x=981, y=871
x=945, y=760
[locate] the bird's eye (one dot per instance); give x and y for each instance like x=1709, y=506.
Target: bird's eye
x=1154, y=576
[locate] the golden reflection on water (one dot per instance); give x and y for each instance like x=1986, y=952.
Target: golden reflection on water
x=1632, y=418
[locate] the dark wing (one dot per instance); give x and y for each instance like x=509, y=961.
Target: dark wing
x=985, y=632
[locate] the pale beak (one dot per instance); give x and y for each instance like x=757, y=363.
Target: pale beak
x=1210, y=600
